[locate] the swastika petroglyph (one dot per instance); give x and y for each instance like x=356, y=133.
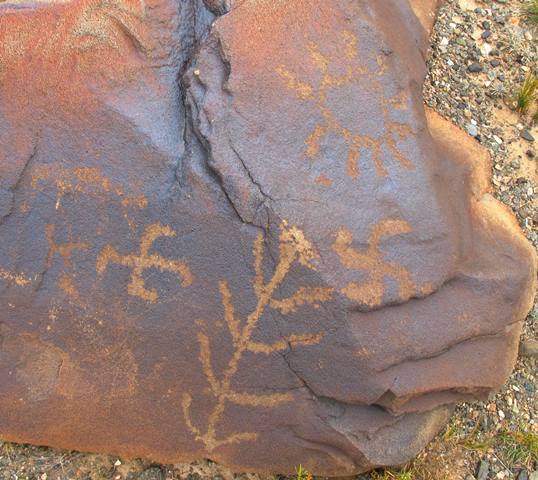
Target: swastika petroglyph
x=144, y=260
x=371, y=260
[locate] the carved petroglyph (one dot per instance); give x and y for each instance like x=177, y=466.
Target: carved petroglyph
x=65, y=250
x=356, y=142
x=85, y=180
x=372, y=262
x=144, y=260
x=294, y=249
x=303, y=296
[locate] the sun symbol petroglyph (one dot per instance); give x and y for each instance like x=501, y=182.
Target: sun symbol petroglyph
x=294, y=249
x=144, y=260
x=371, y=261
x=354, y=73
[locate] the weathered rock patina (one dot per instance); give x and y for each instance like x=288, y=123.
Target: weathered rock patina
x=232, y=231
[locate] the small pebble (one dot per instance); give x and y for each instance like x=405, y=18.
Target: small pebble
x=483, y=470
x=475, y=68
x=526, y=135
x=472, y=130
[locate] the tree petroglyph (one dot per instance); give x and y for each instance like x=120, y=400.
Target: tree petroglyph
x=371, y=260
x=144, y=260
x=355, y=141
x=294, y=248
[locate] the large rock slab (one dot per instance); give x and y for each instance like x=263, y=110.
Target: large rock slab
x=242, y=237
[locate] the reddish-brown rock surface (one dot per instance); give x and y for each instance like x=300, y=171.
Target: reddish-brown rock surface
x=242, y=238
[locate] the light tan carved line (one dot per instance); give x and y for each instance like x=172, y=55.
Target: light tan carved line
x=355, y=142
x=87, y=180
x=65, y=250
x=371, y=260
x=294, y=248
x=144, y=260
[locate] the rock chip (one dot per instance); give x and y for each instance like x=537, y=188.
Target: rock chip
x=526, y=135
x=483, y=470
x=279, y=259
x=475, y=68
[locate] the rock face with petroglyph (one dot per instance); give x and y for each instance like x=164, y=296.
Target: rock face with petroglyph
x=231, y=231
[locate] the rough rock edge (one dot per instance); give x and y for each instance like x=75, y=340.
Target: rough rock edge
x=493, y=216
x=426, y=12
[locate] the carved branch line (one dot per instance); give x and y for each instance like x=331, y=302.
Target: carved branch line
x=294, y=248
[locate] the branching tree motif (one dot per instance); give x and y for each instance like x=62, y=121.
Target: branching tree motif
x=144, y=260
x=355, y=141
x=294, y=248
x=371, y=260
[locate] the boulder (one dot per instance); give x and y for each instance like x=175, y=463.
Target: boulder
x=230, y=230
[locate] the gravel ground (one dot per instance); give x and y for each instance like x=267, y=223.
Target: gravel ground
x=481, y=53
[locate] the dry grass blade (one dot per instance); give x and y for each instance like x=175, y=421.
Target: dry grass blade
x=531, y=11
x=303, y=474
x=519, y=448
x=526, y=94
